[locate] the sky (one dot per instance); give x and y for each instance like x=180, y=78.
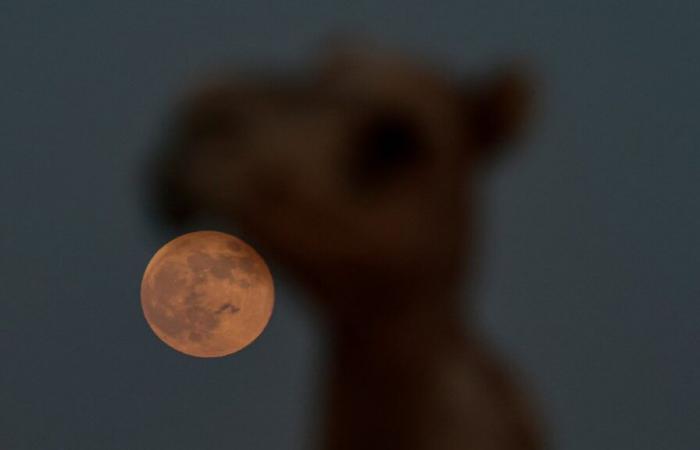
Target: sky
x=589, y=274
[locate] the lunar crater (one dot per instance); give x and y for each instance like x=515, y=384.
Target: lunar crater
x=228, y=307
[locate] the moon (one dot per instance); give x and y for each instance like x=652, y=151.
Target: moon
x=207, y=294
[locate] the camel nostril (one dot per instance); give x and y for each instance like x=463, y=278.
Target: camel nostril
x=167, y=198
x=173, y=204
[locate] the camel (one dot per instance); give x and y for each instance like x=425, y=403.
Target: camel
x=362, y=177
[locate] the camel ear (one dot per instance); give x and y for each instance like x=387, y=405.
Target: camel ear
x=499, y=107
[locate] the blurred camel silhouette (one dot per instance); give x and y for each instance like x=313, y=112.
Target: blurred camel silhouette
x=362, y=179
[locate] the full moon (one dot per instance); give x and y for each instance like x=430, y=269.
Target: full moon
x=207, y=294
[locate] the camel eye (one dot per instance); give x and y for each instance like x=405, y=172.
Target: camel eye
x=386, y=144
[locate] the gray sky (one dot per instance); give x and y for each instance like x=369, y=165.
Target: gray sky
x=590, y=272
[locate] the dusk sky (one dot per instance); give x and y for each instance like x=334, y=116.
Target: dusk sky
x=589, y=277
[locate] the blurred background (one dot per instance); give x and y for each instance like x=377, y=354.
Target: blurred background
x=590, y=274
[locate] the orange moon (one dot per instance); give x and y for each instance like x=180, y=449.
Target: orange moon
x=207, y=294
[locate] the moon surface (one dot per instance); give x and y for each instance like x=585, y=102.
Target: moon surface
x=207, y=294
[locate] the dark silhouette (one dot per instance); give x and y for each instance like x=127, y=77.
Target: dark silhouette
x=363, y=179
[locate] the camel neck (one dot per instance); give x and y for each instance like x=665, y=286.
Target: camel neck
x=413, y=322
x=382, y=367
